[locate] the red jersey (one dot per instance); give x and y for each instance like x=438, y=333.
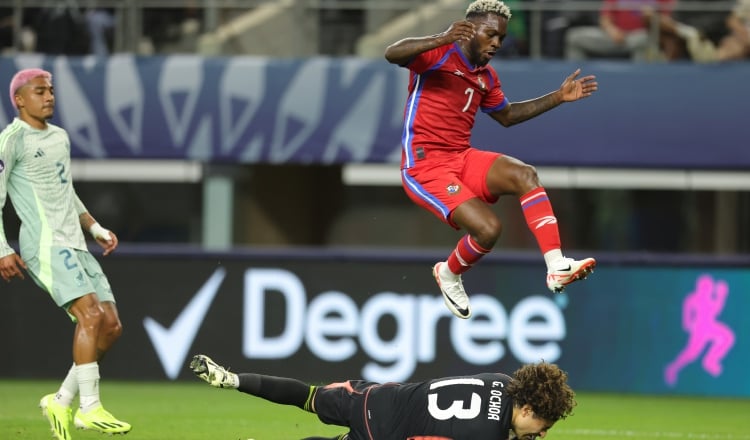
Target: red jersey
x=445, y=92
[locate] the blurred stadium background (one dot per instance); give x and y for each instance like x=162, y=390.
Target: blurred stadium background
x=246, y=154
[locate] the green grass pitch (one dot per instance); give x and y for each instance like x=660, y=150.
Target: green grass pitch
x=192, y=411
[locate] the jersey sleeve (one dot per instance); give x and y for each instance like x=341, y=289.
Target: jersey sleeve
x=426, y=60
x=7, y=161
x=77, y=203
x=495, y=99
x=80, y=207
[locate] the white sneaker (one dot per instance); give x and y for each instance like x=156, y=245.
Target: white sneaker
x=567, y=270
x=453, y=291
x=213, y=373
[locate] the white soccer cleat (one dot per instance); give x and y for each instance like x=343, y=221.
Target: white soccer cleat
x=453, y=291
x=567, y=270
x=213, y=373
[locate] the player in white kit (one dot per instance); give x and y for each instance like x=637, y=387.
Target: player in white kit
x=35, y=173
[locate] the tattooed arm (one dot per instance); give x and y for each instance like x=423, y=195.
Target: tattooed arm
x=572, y=89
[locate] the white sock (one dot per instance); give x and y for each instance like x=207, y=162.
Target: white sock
x=446, y=271
x=88, y=385
x=68, y=389
x=551, y=257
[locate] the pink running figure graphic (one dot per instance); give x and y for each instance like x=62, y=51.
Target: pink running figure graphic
x=700, y=311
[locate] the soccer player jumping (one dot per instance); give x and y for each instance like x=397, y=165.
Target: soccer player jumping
x=450, y=79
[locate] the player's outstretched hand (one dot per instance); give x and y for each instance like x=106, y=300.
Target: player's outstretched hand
x=574, y=88
x=10, y=267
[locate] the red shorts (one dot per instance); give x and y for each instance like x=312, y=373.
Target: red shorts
x=445, y=179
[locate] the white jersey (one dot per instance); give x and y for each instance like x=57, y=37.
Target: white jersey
x=35, y=172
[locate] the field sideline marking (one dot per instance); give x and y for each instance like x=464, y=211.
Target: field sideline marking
x=650, y=434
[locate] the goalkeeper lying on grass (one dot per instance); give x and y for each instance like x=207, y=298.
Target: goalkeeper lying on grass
x=485, y=406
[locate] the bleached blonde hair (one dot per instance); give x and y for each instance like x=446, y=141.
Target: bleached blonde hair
x=483, y=7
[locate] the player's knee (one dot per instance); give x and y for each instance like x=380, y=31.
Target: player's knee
x=90, y=316
x=527, y=176
x=487, y=233
x=113, y=329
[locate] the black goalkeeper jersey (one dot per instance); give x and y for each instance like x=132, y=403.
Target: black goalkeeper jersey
x=458, y=408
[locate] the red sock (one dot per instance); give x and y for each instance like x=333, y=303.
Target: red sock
x=541, y=220
x=467, y=253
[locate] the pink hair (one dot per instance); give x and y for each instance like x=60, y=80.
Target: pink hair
x=22, y=77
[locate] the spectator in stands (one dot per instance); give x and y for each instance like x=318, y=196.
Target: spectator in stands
x=6, y=28
x=61, y=30
x=736, y=45
x=708, y=38
x=621, y=32
x=13, y=39
x=100, y=23
x=69, y=30
x=166, y=29
x=557, y=21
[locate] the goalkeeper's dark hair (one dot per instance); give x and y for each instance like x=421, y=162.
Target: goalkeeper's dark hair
x=544, y=387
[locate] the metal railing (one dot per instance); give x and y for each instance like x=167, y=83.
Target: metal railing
x=129, y=13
